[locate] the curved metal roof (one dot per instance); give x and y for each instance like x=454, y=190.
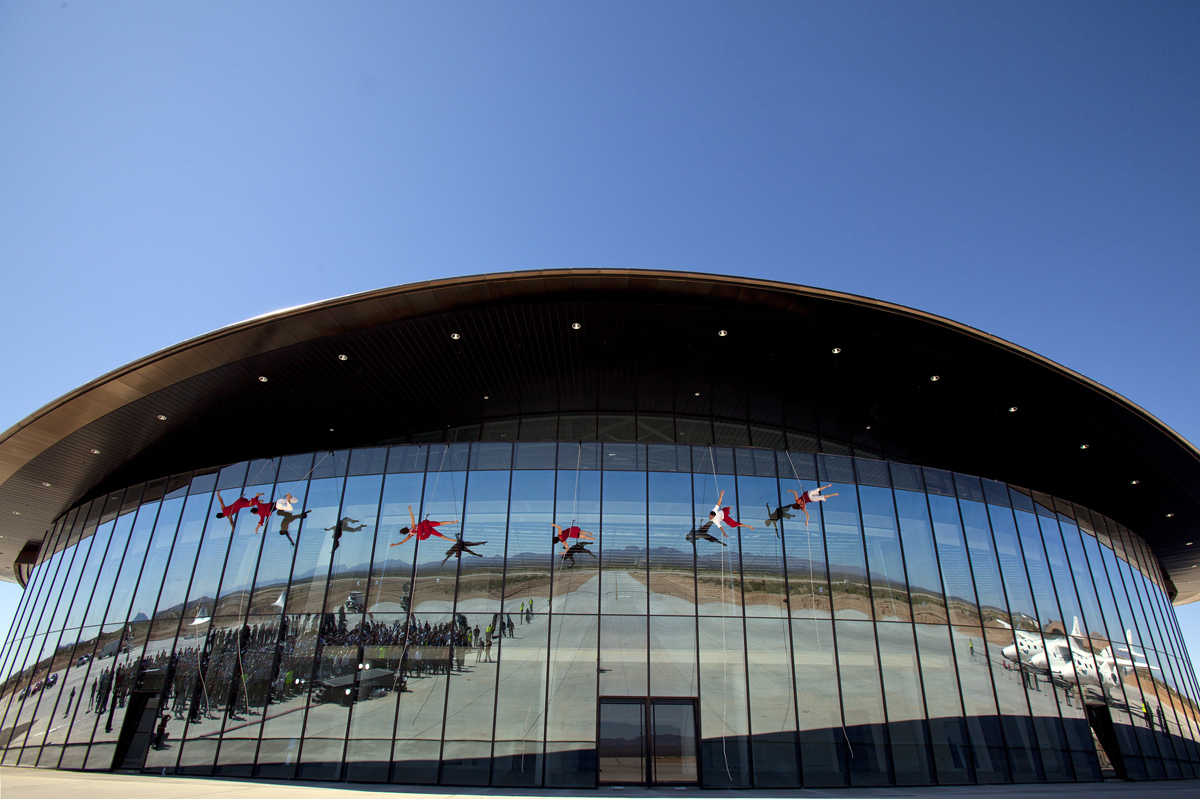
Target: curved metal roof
x=648, y=342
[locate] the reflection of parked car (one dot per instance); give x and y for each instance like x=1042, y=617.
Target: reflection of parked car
x=52, y=680
x=37, y=686
x=83, y=659
x=24, y=692
x=354, y=604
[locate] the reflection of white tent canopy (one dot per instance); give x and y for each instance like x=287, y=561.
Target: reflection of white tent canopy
x=278, y=603
x=201, y=620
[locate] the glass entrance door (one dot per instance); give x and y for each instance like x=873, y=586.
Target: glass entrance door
x=673, y=741
x=621, y=745
x=644, y=741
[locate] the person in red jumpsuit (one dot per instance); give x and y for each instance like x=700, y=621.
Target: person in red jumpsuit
x=230, y=511
x=566, y=534
x=422, y=530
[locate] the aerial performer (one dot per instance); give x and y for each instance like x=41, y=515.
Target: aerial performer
x=806, y=497
x=230, y=511
x=283, y=509
x=422, y=530
x=460, y=547
x=342, y=525
x=262, y=510
x=565, y=534
x=721, y=518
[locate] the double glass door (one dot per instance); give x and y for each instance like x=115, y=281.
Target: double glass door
x=647, y=741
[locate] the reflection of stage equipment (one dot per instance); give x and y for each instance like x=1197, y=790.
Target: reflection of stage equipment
x=354, y=604
x=406, y=598
x=343, y=691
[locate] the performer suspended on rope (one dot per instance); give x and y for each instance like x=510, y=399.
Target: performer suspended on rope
x=422, y=530
x=566, y=533
x=283, y=509
x=803, y=499
x=262, y=510
x=230, y=511
x=701, y=532
x=721, y=518
x=343, y=526
x=575, y=549
x=460, y=547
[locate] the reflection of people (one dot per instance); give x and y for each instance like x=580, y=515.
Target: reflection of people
x=803, y=499
x=721, y=518
x=230, y=511
x=421, y=530
x=283, y=509
x=69, y=698
x=343, y=526
x=774, y=516
x=702, y=532
x=575, y=549
x=565, y=534
x=460, y=547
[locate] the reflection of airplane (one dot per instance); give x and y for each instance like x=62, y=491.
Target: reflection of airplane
x=1067, y=659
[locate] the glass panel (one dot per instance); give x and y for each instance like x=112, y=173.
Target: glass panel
x=355, y=532
x=984, y=565
x=920, y=558
x=157, y=554
x=818, y=699
x=520, y=704
x=531, y=541
x=889, y=588
x=314, y=547
x=718, y=569
x=621, y=749
x=947, y=729
x=979, y=701
x=392, y=571
x=724, y=728
x=952, y=557
x=772, y=706
x=624, y=660
x=577, y=505
x=672, y=582
x=471, y=702
x=762, y=550
x=862, y=702
x=623, y=544
x=673, y=668
x=481, y=557
x=904, y=696
x=847, y=560
x=571, y=724
x=182, y=558
x=378, y=689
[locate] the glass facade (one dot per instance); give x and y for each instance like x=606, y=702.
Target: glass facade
x=541, y=613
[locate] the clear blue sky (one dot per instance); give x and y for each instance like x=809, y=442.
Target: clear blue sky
x=1029, y=169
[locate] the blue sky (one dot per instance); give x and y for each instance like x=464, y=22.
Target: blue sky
x=1029, y=169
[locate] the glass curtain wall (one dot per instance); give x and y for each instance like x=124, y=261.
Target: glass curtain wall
x=457, y=613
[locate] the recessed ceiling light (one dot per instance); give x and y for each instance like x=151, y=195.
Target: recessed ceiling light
x=485, y=396
x=455, y=336
x=1134, y=482
x=47, y=485
x=262, y=378
x=1085, y=446
x=836, y=350
x=1170, y=515
x=868, y=427
x=575, y=325
x=94, y=451
x=16, y=513
x=1012, y=409
x=1189, y=543
x=343, y=358
x=162, y=418
x=935, y=378
x=697, y=393
x=722, y=333
x=331, y=429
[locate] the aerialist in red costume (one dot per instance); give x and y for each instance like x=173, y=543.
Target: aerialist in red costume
x=262, y=510
x=813, y=495
x=721, y=518
x=422, y=530
x=230, y=511
x=568, y=533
